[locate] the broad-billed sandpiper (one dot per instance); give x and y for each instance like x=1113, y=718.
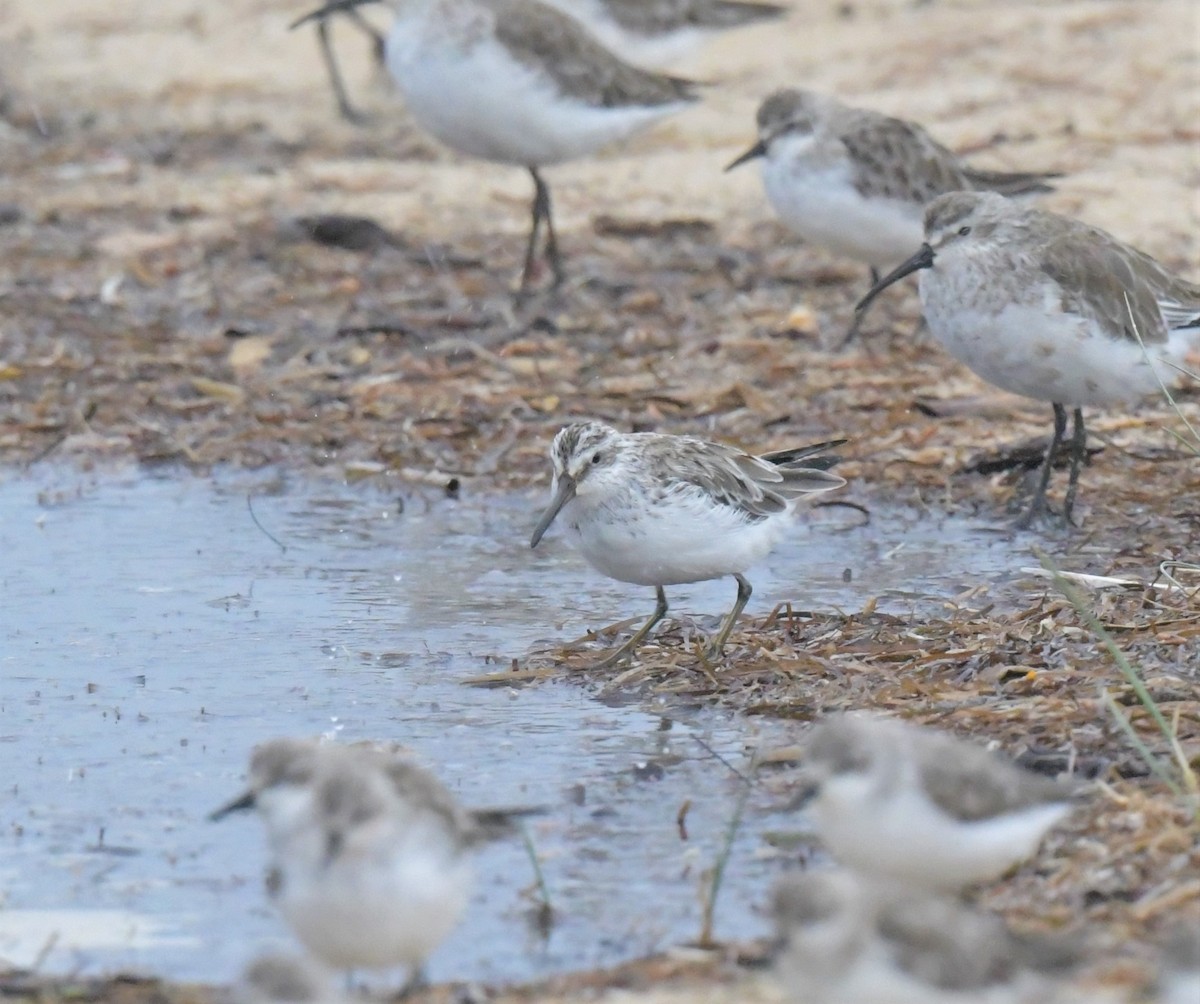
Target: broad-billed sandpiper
x=660, y=510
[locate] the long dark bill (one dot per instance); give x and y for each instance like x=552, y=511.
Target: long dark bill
x=335, y=7
x=566, y=492
x=922, y=259
x=239, y=804
x=758, y=150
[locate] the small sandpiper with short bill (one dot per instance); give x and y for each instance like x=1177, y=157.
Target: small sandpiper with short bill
x=855, y=181
x=370, y=853
x=923, y=808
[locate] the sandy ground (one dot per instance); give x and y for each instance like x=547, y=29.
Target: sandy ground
x=1104, y=91
x=158, y=302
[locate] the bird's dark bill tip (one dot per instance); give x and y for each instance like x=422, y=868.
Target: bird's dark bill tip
x=758, y=150
x=239, y=804
x=540, y=530
x=563, y=495
x=922, y=259
x=329, y=9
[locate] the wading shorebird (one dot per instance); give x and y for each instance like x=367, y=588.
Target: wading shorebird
x=660, y=510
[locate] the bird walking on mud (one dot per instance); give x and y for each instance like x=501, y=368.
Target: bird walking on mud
x=518, y=82
x=855, y=181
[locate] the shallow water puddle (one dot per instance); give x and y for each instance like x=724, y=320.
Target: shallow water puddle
x=28, y=936
x=151, y=634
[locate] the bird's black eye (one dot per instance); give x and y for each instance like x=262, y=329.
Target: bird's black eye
x=595, y=458
x=963, y=231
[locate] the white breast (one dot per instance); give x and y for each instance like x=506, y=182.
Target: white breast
x=817, y=200
x=476, y=98
x=689, y=540
x=1032, y=347
x=387, y=908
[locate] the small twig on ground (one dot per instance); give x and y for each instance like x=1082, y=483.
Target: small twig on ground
x=545, y=908
x=721, y=760
x=44, y=952
x=1187, y=786
x=718, y=870
x=266, y=533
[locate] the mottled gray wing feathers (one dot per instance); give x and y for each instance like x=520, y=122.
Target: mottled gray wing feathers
x=419, y=787
x=1010, y=182
x=758, y=486
x=658, y=17
x=804, y=471
x=559, y=47
x=1117, y=286
x=899, y=159
x=970, y=783
x=945, y=945
x=1180, y=304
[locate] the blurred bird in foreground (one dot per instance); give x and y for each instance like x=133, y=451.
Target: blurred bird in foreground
x=370, y=853
x=924, y=808
x=842, y=942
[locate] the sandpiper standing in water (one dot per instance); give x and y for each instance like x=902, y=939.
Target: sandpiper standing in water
x=1048, y=307
x=660, y=510
x=371, y=864
x=518, y=82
